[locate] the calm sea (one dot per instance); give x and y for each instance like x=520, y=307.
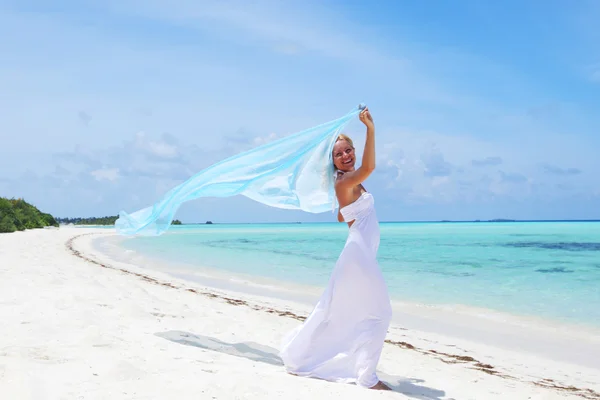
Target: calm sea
x=544, y=269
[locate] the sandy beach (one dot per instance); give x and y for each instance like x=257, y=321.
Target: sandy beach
x=77, y=324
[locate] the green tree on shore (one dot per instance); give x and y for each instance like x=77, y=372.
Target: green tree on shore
x=18, y=215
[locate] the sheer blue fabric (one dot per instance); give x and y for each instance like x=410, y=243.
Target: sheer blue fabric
x=295, y=172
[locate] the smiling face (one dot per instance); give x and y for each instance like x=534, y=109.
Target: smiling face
x=343, y=154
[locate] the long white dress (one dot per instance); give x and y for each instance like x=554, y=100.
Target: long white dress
x=342, y=338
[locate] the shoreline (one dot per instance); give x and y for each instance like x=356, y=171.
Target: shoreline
x=82, y=325
x=247, y=283
x=440, y=322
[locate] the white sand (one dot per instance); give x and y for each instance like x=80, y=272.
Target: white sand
x=72, y=329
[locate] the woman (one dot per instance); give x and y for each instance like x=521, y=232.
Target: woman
x=342, y=338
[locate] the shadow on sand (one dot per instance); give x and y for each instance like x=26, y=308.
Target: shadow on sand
x=269, y=355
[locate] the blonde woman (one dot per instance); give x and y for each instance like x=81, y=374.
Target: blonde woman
x=342, y=339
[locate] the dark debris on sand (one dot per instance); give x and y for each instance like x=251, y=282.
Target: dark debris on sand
x=444, y=357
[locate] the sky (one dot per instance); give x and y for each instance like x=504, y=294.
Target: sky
x=482, y=109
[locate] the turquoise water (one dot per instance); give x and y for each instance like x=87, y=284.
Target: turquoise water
x=544, y=269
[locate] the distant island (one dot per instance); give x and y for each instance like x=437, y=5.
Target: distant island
x=109, y=220
x=489, y=220
x=18, y=215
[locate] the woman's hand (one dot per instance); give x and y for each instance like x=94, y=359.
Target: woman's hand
x=354, y=178
x=365, y=117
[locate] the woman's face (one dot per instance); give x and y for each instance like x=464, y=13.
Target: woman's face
x=343, y=156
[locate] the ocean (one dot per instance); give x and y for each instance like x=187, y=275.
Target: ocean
x=549, y=270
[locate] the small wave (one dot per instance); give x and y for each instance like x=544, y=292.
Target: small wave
x=562, y=262
x=555, y=270
x=449, y=273
x=568, y=246
x=471, y=264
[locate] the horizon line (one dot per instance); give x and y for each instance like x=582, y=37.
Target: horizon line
x=495, y=220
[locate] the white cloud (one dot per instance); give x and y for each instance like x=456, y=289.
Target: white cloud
x=433, y=168
x=260, y=140
x=556, y=170
x=160, y=148
x=288, y=27
x=487, y=161
x=109, y=174
x=512, y=185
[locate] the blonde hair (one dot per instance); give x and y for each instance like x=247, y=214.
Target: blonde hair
x=341, y=136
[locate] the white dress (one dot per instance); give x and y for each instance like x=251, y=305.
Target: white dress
x=342, y=338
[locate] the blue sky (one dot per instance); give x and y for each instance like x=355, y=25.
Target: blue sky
x=483, y=110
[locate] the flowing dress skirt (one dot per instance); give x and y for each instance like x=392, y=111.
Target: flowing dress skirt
x=342, y=338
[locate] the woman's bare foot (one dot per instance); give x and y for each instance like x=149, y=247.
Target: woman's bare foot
x=381, y=386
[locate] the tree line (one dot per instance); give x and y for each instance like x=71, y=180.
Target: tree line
x=18, y=215
x=109, y=220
